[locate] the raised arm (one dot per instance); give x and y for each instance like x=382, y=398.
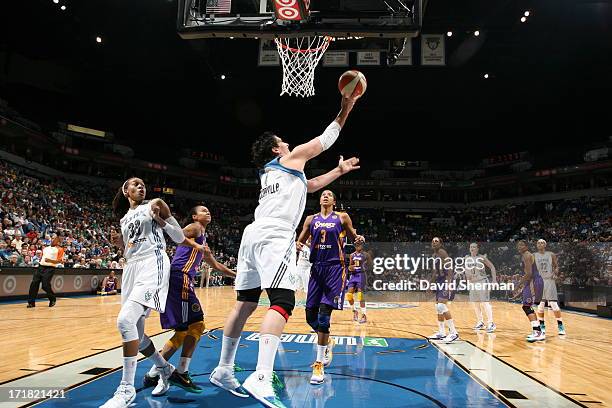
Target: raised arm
x=302, y=153
x=160, y=212
x=344, y=166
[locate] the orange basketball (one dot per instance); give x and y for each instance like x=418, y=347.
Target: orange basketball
x=352, y=83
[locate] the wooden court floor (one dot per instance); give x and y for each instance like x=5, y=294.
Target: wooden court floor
x=577, y=365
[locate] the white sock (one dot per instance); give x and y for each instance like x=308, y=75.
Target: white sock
x=129, y=369
x=451, y=326
x=356, y=307
x=158, y=359
x=228, y=351
x=268, y=345
x=153, y=372
x=363, y=310
x=183, y=365
x=489, y=311
x=478, y=311
x=441, y=327
x=535, y=325
x=321, y=353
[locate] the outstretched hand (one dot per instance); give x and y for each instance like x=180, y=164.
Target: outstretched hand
x=348, y=165
x=348, y=102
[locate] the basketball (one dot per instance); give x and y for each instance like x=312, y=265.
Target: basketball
x=352, y=83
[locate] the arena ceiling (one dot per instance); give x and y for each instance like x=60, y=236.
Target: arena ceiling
x=152, y=89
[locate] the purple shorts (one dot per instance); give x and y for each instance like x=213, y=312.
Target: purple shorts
x=357, y=281
x=326, y=285
x=182, y=304
x=444, y=294
x=532, y=292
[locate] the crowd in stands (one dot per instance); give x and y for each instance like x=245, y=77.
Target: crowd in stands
x=33, y=207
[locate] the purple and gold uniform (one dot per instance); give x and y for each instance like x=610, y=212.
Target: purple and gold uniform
x=111, y=284
x=532, y=292
x=182, y=305
x=328, y=274
x=357, y=279
x=442, y=277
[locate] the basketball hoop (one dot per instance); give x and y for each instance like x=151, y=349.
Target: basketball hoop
x=300, y=57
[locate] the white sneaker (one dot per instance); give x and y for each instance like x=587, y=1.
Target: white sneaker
x=163, y=385
x=123, y=397
x=329, y=352
x=260, y=386
x=451, y=337
x=437, y=336
x=318, y=373
x=533, y=337
x=223, y=377
x=479, y=326
x=491, y=328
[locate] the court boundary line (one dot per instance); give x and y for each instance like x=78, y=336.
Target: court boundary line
x=529, y=376
x=98, y=376
x=29, y=404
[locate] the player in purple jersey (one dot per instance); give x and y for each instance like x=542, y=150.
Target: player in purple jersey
x=327, y=230
x=183, y=311
x=442, y=277
x=357, y=282
x=531, y=287
x=109, y=284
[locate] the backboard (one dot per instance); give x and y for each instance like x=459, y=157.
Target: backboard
x=261, y=19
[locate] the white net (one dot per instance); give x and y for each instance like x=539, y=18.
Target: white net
x=300, y=57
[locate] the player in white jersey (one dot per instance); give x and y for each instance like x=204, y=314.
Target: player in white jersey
x=144, y=282
x=477, y=274
x=547, y=265
x=267, y=255
x=303, y=267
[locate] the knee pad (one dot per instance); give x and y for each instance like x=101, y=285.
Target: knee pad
x=541, y=307
x=349, y=297
x=195, y=330
x=312, y=318
x=249, y=295
x=441, y=308
x=554, y=305
x=282, y=301
x=324, y=317
x=128, y=319
x=360, y=296
x=176, y=341
x=528, y=310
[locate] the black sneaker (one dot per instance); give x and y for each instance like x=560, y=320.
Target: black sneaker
x=52, y=303
x=31, y=305
x=149, y=381
x=185, y=382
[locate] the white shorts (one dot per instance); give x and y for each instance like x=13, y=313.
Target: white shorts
x=480, y=295
x=267, y=257
x=550, y=290
x=303, y=272
x=146, y=280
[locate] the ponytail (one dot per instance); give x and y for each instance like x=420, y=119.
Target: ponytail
x=120, y=203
